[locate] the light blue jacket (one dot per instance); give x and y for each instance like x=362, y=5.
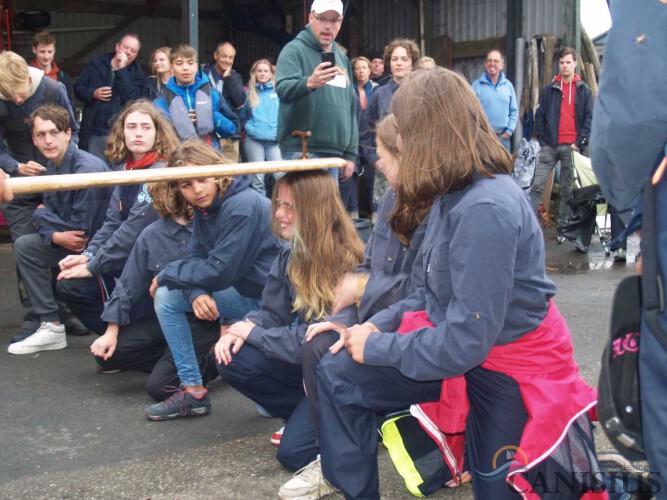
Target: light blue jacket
x=262, y=124
x=498, y=101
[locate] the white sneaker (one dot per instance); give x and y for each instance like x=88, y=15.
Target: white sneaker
x=48, y=337
x=307, y=484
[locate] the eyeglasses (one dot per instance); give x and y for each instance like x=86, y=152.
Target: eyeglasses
x=326, y=20
x=288, y=208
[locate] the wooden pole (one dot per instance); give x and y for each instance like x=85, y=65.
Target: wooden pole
x=24, y=185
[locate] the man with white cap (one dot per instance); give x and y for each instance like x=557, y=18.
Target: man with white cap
x=317, y=96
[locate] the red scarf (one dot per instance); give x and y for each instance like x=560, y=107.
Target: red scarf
x=146, y=161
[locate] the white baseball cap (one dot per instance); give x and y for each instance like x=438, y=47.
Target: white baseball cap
x=320, y=6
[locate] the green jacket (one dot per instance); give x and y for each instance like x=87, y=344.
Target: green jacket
x=328, y=112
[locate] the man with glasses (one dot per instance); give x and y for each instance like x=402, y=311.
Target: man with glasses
x=316, y=96
x=496, y=93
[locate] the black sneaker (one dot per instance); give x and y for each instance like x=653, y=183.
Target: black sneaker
x=22, y=335
x=74, y=327
x=179, y=404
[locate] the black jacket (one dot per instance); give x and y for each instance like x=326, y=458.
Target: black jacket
x=548, y=114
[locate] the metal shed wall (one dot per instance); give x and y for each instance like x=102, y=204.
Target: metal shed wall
x=384, y=20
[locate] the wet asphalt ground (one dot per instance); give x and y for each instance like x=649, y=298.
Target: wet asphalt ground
x=69, y=432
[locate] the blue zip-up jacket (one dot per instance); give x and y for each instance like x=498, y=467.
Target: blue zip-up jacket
x=127, y=84
x=498, y=101
x=547, y=116
x=484, y=283
x=224, y=119
x=278, y=331
x=392, y=267
x=262, y=120
x=77, y=210
x=378, y=107
x=231, y=245
x=162, y=242
x=16, y=144
x=130, y=211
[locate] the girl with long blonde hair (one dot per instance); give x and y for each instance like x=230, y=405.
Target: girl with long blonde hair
x=161, y=71
x=261, y=356
x=261, y=115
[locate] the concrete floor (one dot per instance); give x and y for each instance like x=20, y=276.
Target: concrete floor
x=68, y=432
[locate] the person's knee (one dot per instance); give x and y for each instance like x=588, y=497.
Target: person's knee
x=313, y=351
x=67, y=290
x=333, y=370
x=249, y=364
x=292, y=458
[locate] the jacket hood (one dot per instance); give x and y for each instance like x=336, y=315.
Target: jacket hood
x=306, y=36
x=559, y=78
x=239, y=183
x=264, y=86
x=200, y=80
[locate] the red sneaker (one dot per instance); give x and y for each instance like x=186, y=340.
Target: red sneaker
x=277, y=436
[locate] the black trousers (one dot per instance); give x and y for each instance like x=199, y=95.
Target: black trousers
x=142, y=347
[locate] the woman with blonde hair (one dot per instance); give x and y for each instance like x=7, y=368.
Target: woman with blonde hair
x=161, y=69
x=261, y=355
x=261, y=116
x=222, y=278
x=483, y=311
x=139, y=139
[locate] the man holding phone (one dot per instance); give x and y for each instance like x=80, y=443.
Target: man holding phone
x=313, y=82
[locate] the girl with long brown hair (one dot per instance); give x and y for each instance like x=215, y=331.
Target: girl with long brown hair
x=483, y=314
x=231, y=252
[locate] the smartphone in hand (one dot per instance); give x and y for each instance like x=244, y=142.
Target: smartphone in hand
x=329, y=57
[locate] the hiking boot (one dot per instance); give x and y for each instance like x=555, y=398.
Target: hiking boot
x=277, y=436
x=307, y=483
x=48, y=337
x=180, y=404
x=619, y=255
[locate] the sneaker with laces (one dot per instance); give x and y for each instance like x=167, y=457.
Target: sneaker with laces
x=48, y=337
x=307, y=484
x=277, y=436
x=180, y=404
x=619, y=255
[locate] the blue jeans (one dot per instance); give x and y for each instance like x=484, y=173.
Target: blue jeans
x=293, y=155
x=256, y=150
x=171, y=308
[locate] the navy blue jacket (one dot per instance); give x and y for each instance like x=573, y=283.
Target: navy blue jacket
x=77, y=210
x=16, y=144
x=126, y=84
x=278, y=331
x=231, y=245
x=164, y=241
x=484, y=283
x=548, y=114
x=392, y=267
x=378, y=107
x=130, y=211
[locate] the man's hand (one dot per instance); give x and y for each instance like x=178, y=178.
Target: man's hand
x=575, y=147
x=505, y=135
x=153, y=288
x=322, y=74
x=6, y=194
x=105, y=346
x=347, y=171
x=71, y=261
x=74, y=241
x=325, y=326
x=30, y=169
x=205, y=308
x=78, y=271
x=102, y=94
x=120, y=61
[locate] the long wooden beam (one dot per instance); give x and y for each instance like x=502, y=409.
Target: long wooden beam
x=24, y=185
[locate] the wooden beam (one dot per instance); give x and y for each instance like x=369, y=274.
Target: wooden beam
x=113, y=7
x=478, y=48
x=67, y=182
x=147, y=9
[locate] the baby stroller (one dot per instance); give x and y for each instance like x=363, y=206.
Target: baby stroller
x=586, y=205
